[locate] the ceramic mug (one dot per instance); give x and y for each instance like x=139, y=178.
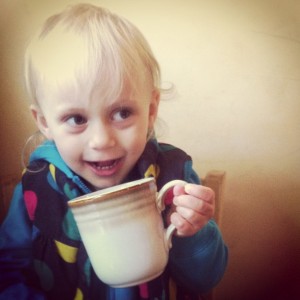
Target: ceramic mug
x=123, y=233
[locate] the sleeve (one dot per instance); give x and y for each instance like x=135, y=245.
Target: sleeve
x=198, y=263
x=15, y=252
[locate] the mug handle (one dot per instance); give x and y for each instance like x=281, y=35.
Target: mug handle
x=161, y=205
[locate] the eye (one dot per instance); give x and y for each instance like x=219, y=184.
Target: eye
x=76, y=120
x=122, y=114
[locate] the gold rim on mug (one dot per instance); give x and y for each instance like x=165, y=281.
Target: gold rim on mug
x=108, y=193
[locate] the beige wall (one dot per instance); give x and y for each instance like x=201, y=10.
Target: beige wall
x=236, y=67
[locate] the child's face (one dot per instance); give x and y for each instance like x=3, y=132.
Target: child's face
x=99, y=138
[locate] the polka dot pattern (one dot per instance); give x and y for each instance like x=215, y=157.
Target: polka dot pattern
x=79, y=295
x=60, y=259
x=30, y=199
x=70, y=193
x=45, y=275
x=52, y=171
x=152, y=171
x=52, y=182
x=70, y=228
x=87, y=270
x=67, y=253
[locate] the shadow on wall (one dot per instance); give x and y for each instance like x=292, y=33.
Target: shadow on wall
x=263, y=239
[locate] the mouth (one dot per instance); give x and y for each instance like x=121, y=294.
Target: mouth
x=106, y=165
x=105, y=168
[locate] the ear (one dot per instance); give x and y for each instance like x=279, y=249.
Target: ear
x=40, y=121
x=153, y=109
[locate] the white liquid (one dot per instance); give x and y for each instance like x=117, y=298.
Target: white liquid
x=126, y=249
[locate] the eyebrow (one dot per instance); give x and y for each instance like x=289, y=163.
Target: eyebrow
x=122, y=102
x=65, y=110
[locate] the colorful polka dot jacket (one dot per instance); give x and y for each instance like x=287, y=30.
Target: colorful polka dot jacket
x=41, y=252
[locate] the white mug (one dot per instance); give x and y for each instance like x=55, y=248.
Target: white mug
x=123, y=233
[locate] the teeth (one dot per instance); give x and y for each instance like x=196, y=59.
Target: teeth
x=106, y=165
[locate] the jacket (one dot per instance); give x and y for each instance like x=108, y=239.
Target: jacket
x=36, y=235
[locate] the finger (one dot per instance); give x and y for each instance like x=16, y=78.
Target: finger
x=200, y=191
x=195, y=218
x=194, y=204
x=184, y=228
x=178, y=190
x=189, y=215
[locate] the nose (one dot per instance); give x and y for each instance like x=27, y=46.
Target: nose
x=101, y=136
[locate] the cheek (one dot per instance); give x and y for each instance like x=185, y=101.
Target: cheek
x=68, y=149
x=138, y=144
x=133, y=141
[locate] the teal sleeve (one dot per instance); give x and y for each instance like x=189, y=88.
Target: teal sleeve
x=15, y=252
x=199, y=262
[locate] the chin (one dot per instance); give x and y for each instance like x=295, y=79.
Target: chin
x=105, y=184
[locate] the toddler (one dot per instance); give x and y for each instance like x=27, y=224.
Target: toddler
x=95, y=89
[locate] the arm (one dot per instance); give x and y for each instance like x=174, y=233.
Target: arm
x=15, y=252
x=198, y=257
x=198, y=262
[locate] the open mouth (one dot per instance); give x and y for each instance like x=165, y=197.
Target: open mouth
x=106, y=165
x=105, y=168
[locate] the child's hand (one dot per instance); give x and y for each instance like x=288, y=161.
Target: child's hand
x=194, y=206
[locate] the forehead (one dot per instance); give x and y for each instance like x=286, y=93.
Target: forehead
x=129, y=90
x=98, y=97
x=68, y=65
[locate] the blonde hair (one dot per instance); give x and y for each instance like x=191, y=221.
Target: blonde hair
x=85, y=46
